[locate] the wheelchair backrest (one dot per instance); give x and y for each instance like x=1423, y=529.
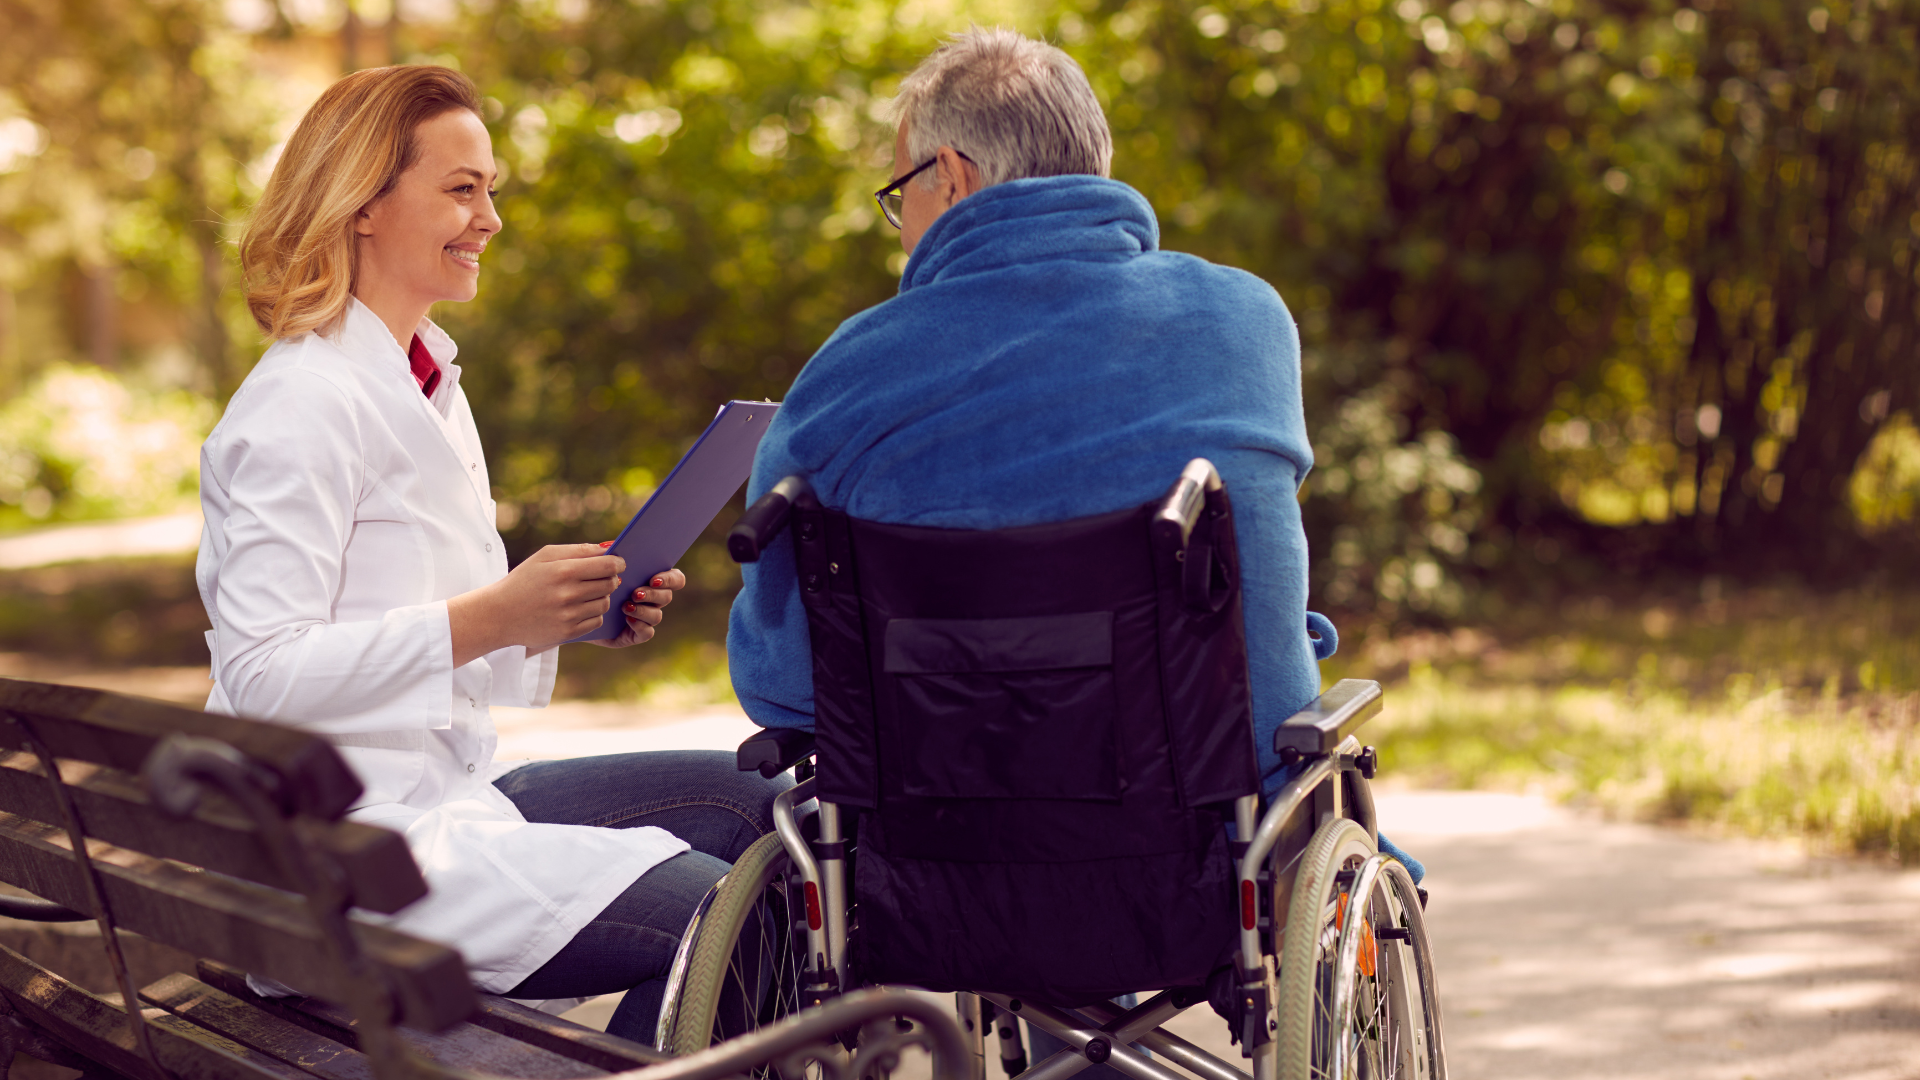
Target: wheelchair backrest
x=1044, y=727
x=1079, y=671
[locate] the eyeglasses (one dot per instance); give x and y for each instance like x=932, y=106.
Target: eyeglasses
x=890, y=198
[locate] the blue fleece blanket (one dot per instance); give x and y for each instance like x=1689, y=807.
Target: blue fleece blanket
x=1045, y=361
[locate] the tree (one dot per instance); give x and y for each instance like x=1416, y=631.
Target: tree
x=146, y=122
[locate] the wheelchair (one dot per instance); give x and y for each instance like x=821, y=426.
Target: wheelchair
x=1022, y=795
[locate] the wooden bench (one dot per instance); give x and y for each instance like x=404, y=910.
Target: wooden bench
x=225, y=838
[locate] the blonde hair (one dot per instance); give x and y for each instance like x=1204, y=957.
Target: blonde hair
x=297, y=250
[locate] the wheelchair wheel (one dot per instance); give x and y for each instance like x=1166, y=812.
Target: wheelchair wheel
x=1415, y=955
x=1388, y=1035
x=737, y=970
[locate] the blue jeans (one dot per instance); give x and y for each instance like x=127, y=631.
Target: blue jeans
x=698, y=796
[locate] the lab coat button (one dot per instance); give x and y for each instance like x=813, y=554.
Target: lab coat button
x=489, y=547
x=469, y=768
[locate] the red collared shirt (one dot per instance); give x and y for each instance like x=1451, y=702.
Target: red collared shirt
x=425, y=371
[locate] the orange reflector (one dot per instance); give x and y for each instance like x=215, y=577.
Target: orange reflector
x=1249, y=913
x=1369, y=952
x=813, y=907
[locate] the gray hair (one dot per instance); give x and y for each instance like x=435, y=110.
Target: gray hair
x=1016, y=107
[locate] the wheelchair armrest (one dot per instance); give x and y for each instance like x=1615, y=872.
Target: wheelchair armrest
x=774, y=750
x=1329, y=718
x=765, y=518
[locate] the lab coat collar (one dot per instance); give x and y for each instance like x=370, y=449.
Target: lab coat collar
x=363, y=335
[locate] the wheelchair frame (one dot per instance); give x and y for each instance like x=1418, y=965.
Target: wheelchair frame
x=1331, y=770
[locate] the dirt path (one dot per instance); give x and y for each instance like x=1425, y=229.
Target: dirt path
x=1568, y=947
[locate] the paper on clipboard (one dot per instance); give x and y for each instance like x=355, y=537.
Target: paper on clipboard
x=680, y=509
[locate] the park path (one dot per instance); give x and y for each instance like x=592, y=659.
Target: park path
x=1568, y=947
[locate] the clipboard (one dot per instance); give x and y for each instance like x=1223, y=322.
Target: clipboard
x=680, y=509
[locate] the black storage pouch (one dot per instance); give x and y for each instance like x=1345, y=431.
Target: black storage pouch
x=1011, y=708
x=1203, y=646
x=843, y=715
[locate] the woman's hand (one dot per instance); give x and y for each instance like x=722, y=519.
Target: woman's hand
x=558, y=593
x=643, y=609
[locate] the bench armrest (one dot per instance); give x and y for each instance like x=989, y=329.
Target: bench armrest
x=774, y=751
x=1329, y=718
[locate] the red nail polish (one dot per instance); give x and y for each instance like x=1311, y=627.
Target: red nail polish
x=659, y=583
x=606, y=543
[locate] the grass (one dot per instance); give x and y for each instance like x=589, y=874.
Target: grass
x=1774, y=712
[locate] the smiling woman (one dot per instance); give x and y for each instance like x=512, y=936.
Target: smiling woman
x=358, y=588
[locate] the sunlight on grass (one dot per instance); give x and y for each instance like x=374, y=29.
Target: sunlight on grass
x=1799, y=717
x=1773, y=766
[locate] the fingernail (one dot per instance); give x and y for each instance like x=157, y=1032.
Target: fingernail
x=630, y=608
x=659, y=583
x=606, y=543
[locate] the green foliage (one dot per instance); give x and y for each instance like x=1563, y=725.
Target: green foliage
x=1885, y=489
x=1406, y=509
x=133, y=123
x=1571, y=277
x=79, y=443
x=1500, y=226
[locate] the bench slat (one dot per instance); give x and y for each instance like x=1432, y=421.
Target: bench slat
x=96, y=1027
x=190, y=999
x=464, y=1046
x=258, y=929
x=119, y=731
x=115, y=806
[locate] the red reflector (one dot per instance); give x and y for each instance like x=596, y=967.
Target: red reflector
x=813, y=907
x=1249, y=916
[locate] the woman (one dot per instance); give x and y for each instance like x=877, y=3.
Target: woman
x=358, y=589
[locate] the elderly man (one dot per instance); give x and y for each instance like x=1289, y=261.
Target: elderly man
x=1043, y=361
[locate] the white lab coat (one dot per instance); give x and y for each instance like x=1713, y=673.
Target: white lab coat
x=343, y=508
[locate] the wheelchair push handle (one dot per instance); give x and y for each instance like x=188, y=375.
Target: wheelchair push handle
x=1180, y=511
x=765, y=518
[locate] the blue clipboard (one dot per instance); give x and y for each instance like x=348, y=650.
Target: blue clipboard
x=684, y=504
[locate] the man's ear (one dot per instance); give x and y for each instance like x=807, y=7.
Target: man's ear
x=960, y=177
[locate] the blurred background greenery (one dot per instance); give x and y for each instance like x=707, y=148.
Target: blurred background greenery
x=1608, y=310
